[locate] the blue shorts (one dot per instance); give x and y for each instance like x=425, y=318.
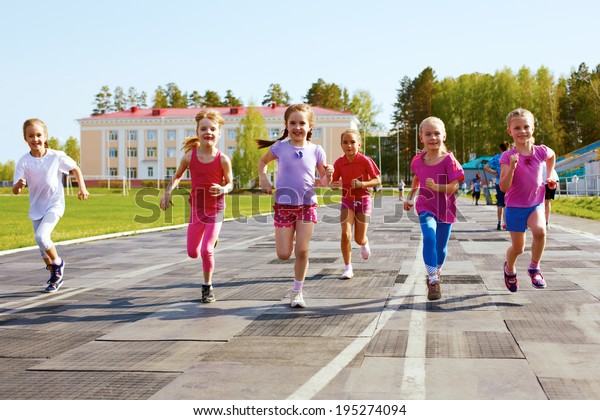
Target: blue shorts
x=516, y=217
x=499, y=197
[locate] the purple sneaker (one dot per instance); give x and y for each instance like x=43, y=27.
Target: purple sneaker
x=56, y=277
x=537, y=280
x=511, y=281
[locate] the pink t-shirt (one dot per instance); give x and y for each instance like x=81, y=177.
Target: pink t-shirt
x=527, y=188
x=362, y=168
x=441, y=205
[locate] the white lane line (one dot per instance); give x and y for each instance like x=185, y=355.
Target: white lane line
x=414, y=374
x=577, y=232
x=43, y=298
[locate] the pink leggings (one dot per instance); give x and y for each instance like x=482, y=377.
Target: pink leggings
x=201, y=238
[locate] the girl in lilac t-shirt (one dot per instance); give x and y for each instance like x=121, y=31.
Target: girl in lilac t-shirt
x=295, y=212
x=521, y=180
x=437, y=177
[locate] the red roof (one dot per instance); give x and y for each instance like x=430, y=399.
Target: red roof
x=265, y=111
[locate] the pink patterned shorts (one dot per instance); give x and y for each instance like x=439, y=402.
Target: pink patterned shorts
x=286, y=215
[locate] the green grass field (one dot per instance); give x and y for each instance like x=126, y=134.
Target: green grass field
x=110, y=212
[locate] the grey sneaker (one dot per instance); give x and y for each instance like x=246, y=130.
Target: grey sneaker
x=208, y=294
x=297, y=299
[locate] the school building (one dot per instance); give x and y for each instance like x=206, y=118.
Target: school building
x=143, y=145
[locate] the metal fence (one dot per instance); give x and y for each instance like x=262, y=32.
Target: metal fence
x=579, y=186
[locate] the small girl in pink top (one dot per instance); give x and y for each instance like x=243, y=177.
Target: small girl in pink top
x=436, y=203
x=354, y=173
x=211, y=176
x=521, y=180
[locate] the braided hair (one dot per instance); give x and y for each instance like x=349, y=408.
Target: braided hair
x=291, y=109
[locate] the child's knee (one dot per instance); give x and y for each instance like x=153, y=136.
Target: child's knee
x=284, y=254
x=43, y=241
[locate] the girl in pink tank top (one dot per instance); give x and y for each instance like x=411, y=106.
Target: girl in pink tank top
x=211, y=177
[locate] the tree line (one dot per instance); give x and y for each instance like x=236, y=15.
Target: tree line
x=321, y=93
x=474, y=108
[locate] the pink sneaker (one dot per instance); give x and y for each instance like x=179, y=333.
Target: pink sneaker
x=365, y=252
x=537, y=280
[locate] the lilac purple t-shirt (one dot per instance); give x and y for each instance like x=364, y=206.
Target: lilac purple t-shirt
x=441, y=205
x=296, y=172
x=527, y=188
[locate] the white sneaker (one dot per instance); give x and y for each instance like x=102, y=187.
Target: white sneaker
x=297, y=299
x=365, y=252
x=348, y=274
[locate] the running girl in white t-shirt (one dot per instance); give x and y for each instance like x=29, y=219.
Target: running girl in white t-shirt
x=42, y=170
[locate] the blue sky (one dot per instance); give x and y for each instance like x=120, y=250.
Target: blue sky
x=55, y=56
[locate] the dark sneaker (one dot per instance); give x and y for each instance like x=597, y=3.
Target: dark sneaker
x=537, y=280
x=208, y=294
x=499, y=227
x=510, y=280
x=56, y=276
x=434, y=291
x=53, y=287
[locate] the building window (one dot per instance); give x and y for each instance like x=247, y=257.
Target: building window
x=273, y=133
x=132, y=135
x=150, y=152
x=113, y=172
x=113, y=135
x=171, y=152
x=170, y=171
x=190, y=133
x=171, y=135
x=232, y=134
x=132, y=152
x=187, y=174
x=150, y=171
x=131, y=172
x=231, y=151
x=317, y=133
x=113, y=153
x=151, y=135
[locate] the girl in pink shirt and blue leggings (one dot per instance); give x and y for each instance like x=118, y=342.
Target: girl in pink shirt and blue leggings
x=437, y=177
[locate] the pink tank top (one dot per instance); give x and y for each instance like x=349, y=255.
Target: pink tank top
x=203, y=176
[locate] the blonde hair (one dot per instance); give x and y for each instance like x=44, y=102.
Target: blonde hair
x=519, y=112
x=351, y=131
x=434, y=120
x=192, y=142
x=34, y=121
x=291, y=109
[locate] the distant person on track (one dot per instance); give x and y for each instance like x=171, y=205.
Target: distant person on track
x=493, y=167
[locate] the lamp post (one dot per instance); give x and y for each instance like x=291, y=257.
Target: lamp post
x=398, y=153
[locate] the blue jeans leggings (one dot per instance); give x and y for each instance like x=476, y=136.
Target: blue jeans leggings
x=435, y=241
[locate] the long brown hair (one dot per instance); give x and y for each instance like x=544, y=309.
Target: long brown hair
x=33, y=121
x=192, y=142
x=292, y=108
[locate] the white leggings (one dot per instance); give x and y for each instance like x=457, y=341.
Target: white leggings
x=42, y=228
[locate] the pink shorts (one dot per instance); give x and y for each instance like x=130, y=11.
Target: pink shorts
x=286, y=215
x=357, y=206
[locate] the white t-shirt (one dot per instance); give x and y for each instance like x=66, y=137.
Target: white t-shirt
x=44, y=180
